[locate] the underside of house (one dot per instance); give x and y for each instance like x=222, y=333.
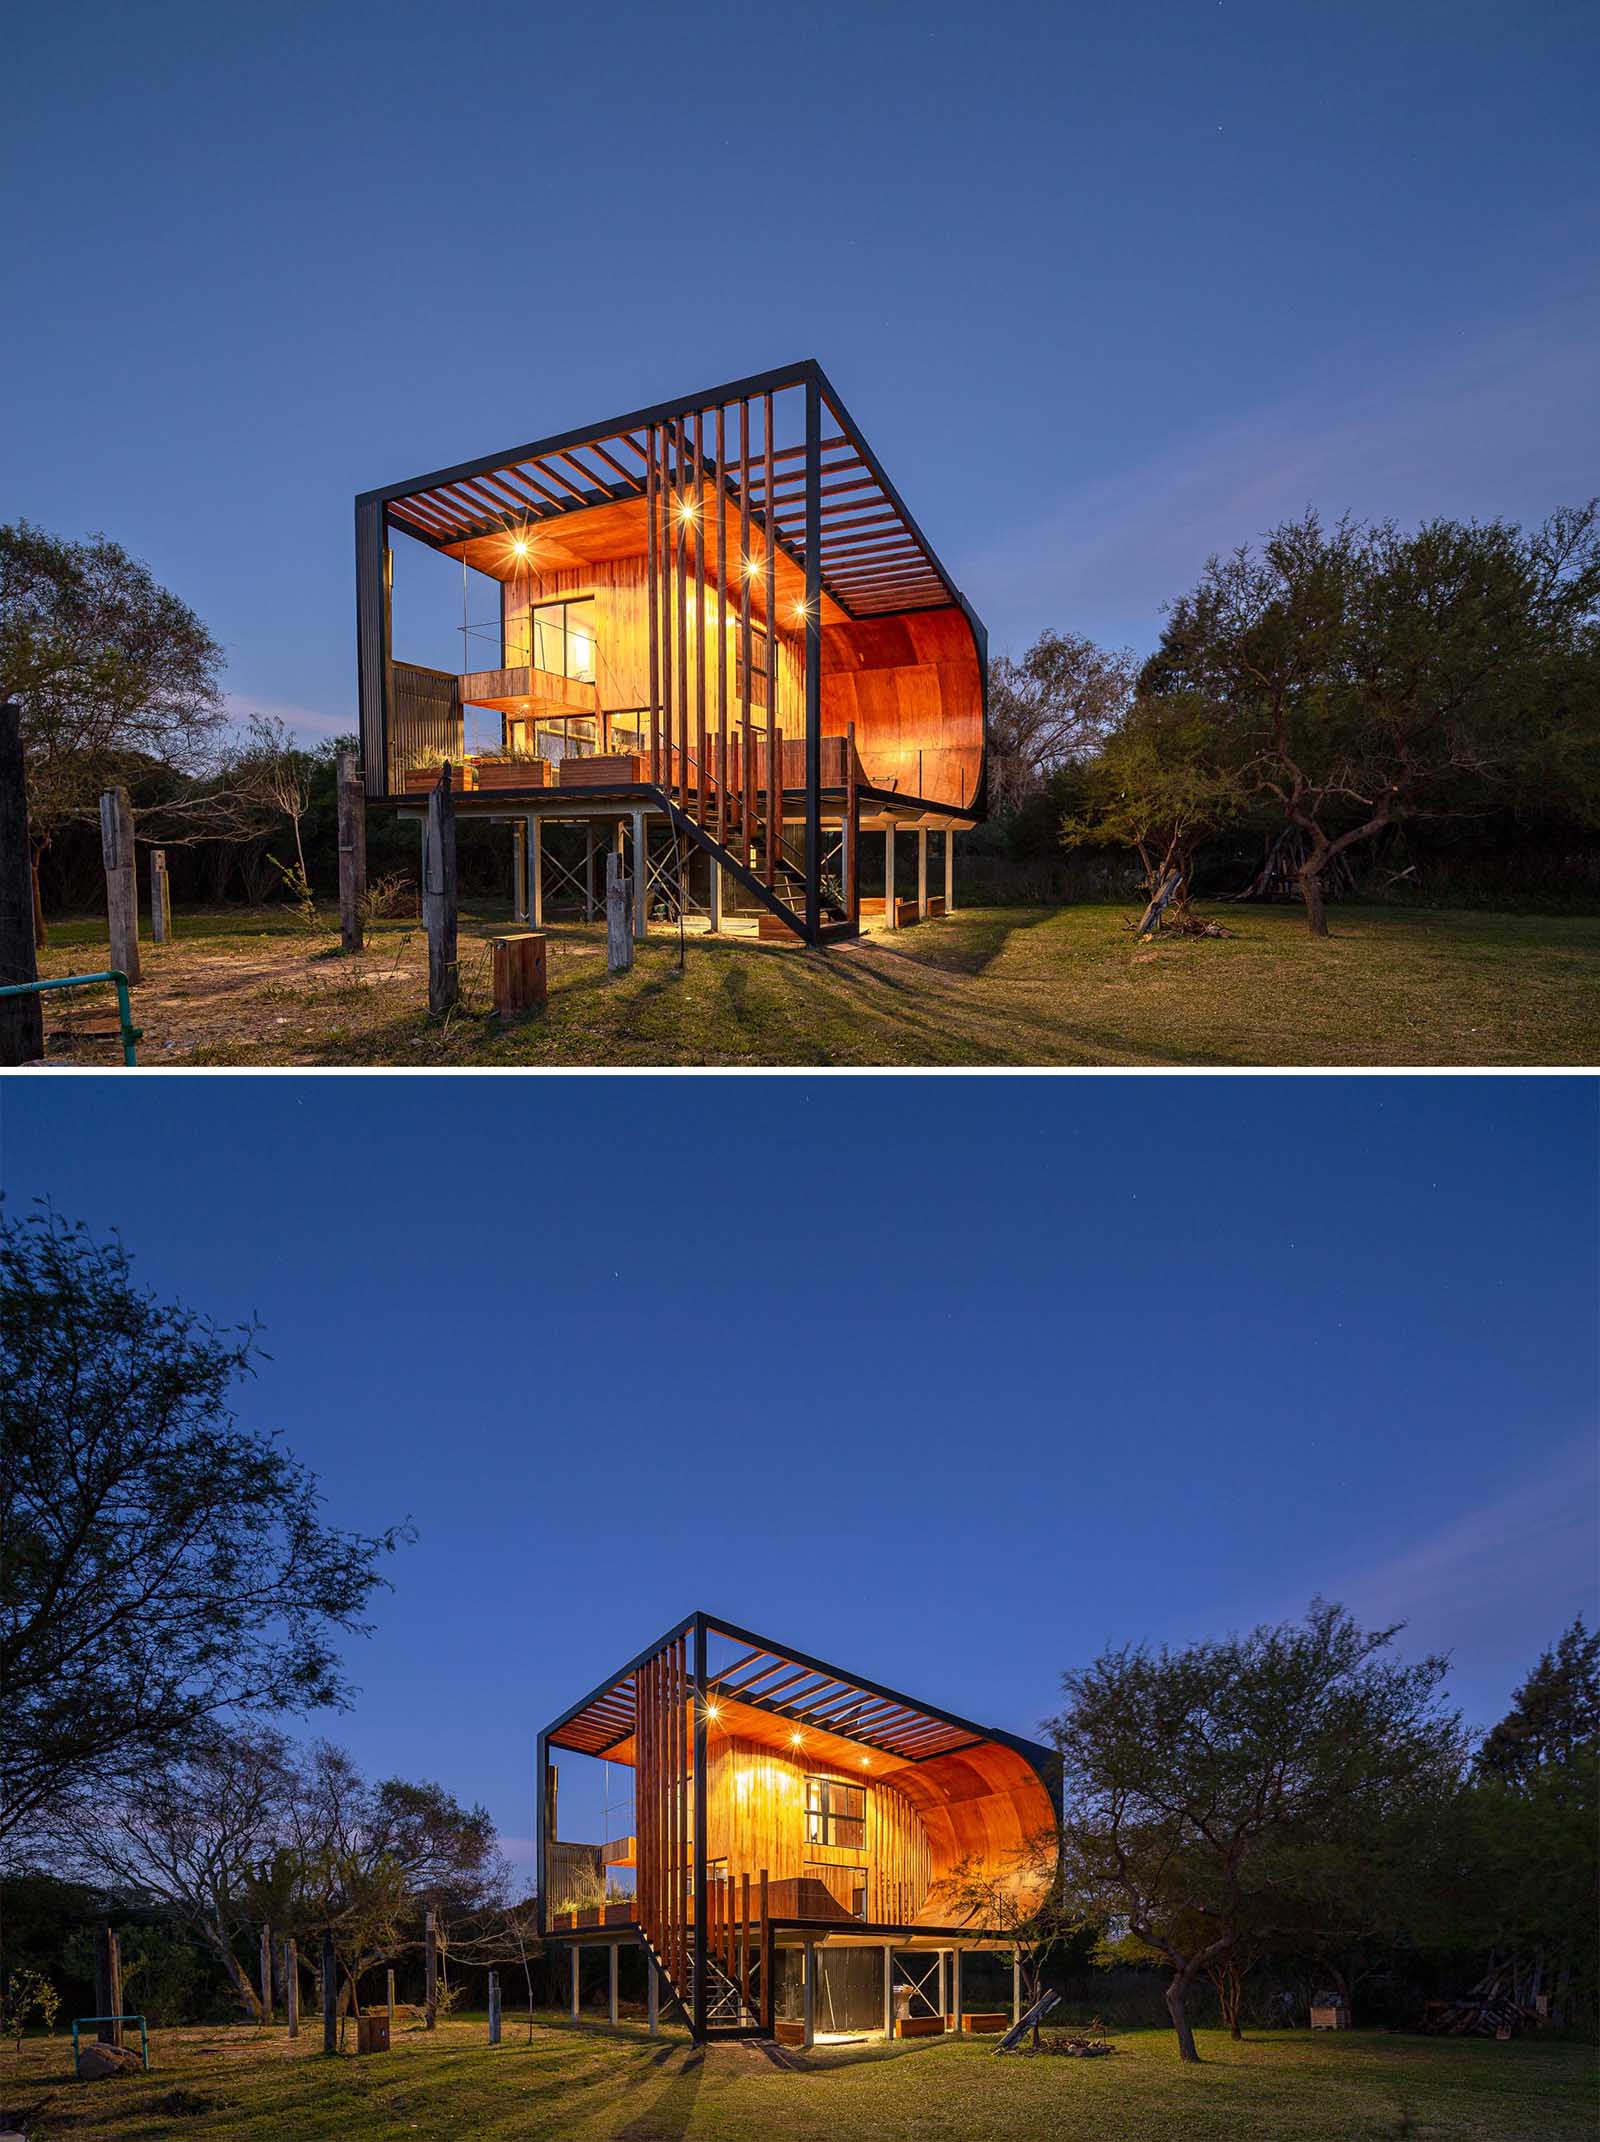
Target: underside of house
x=720, y=645
x=801, y=1853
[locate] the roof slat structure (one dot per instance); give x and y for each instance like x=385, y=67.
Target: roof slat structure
x=871, y=557
x=809, y=1697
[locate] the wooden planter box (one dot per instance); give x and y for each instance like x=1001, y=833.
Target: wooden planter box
x=936, y=908
x=789, y=2033
x=905, y=913
x=613, y=769
x=871, y=904
x=985, y=2022
x=919, y=2027
x=422, y=780
x=513, y=773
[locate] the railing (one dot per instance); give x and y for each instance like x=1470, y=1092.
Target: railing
x=130, y=1033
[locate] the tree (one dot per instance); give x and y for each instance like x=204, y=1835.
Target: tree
x=1020, y=1898
x=274, y=773
x=1158, y=786
x=1361, y=675
x=1051, y=707
x=158, y=1564
x=113, y=674
x=1199, y=1781
x=191, y=1835
x=1531, y=1825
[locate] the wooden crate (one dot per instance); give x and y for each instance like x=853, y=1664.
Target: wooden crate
x=789, y=2033
x=984, y=2022
x=936, y=908
x=521, y=978
x=919, y=2027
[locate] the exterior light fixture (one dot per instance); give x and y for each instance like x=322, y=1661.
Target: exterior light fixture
x=752, y=566
x=712, y=1711
x=686, y=509
x=795, y=1739
x=800, y=611
x=519, y=548
x=866, y=1762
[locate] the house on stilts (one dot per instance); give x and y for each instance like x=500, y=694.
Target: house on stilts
x=798, y=1849
x=714, y=639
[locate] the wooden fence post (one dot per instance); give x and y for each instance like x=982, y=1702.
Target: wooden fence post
x=291, y=1986
x=439, y=897
x=266, y=1974
x=160, y=898
x=619, y=922
x=330, y=1994
x=494, y=2008
x=21, y=1018
x=389, y=1989
x=108, y=1983
x=122, y=891
x=431, y=1965
x=352, y=851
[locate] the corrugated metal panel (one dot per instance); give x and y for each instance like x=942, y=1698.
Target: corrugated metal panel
x=424, y=719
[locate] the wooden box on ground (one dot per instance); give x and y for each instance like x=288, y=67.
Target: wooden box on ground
x=789, y=2033
x=936, y=907
x=514, y=773
x=613, y=769
x=905, y=913
x=919, y=2027
x=1332, y=2015
x=372, y=2033
x=870, y=904
x=985, y=2021
x=521, y=982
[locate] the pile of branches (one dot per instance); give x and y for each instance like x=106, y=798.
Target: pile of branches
x=1076, y=2048
x=1477, y=2016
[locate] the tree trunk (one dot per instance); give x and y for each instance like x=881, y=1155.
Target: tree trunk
x=1177, y=1995
x=1311, y=893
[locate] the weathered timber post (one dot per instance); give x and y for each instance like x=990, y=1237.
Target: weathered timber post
x=122, y=891
x=330, y=1994
x=494, y=2008
x=430, y=1925
x=619, y=932
x=439, y=897
x=160, y=898
x=21, y=1018
x=108, y=1983
x=291, y=1986
x=641, y=877
x=266, y=1974
x=352, y=852
x=388, y=1978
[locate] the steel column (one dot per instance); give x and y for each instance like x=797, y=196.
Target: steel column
x=888, y=877
x=698, y=1698
x=813, y=662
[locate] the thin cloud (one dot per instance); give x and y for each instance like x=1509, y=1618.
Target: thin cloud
x=1510, y=420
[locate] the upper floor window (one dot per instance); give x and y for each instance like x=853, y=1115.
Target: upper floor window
x=836, y=1814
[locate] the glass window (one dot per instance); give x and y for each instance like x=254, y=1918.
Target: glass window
x=836, y=1814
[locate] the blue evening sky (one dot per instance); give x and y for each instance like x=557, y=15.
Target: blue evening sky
x=1109, y=287
x=952, y=1381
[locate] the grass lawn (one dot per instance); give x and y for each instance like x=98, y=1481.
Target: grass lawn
x=229, y=2084
x=1027, y=986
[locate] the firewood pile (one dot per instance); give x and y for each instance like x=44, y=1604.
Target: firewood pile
x=1076, y=2048
x=1477, y=2016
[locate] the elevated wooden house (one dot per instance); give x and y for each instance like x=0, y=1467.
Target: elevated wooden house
x=803, y=1847
x=722, y=643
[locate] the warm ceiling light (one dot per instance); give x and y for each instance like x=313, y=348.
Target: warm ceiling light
x=800, y=612
x=795, y=1739
x=752, y=566
x=866, y=1762
x=519, y=548
x=686, y=509
x=712, y=1711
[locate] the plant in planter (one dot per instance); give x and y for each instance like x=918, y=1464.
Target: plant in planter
x=422, y=773
x=512, y=769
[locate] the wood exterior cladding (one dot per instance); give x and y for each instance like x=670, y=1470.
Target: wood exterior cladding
x=755, y=1818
